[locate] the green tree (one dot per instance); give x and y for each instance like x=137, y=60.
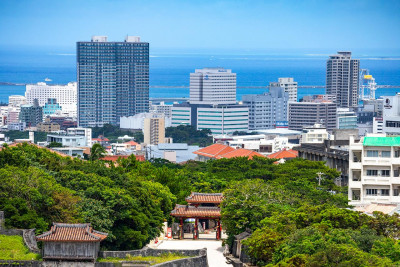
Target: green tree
x=97, y=152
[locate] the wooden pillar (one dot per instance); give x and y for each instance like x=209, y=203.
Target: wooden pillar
x=218, y=230
x=196, y=229
x=181, y=229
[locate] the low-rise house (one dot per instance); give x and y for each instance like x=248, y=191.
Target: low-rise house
x=71, y=242
x=284, y=155
x=219, y=151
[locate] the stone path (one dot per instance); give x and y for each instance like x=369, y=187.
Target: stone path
x=214, y=249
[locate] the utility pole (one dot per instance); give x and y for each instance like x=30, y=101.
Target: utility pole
x=319, y=178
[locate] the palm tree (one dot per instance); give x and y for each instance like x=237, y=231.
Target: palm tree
x=97, y=152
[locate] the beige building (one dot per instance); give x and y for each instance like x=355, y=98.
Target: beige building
x=48, y=126
x=154, y=130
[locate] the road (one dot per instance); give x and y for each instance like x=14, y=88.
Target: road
x=214, y=249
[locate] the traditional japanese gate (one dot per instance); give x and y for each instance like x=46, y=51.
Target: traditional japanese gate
x=201, y=206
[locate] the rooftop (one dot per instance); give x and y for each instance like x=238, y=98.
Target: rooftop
x=72, y=233
x=204, y=198
x=284, y=154
x=381, y=141
x=241, y=152
x=219, y=151
x=186, y=211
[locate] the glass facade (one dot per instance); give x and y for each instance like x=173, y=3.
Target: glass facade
x=113, y=81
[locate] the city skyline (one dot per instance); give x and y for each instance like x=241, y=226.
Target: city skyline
x=286, y=25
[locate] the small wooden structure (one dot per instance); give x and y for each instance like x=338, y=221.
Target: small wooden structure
x=200, y=206
x=71, y=242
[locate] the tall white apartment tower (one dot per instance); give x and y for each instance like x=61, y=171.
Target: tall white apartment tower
x=213, y=86
x=289, y=85
x=342, y=79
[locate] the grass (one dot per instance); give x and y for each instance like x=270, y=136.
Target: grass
x=13, y=248
x=152, y=259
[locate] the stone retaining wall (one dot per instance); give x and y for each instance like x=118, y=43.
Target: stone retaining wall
x=199, y=261
x=146, y=251
x=27, y=234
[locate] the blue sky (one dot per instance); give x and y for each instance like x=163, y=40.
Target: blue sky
x=312, y=25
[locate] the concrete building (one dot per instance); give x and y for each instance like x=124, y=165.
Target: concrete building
x=342, y=79
x=346, y=119
x=182, y=115
x=113, y=80
x=67, y=140
x=223, y=119
x=154, y=130
x=266, y=109
x=47, y=126
x=305, y=114
x=377, y=125
x=391, y=115
x=31, y=114
x=136, y=122
x=289, y=85
x=261, y=143
x=174, y=152
x=315, y=134
x=65, y=95
x=374, y=170
x=161, y=108
x=16, y=101
x=51, y=107
x=213, y=86
x=86, y=132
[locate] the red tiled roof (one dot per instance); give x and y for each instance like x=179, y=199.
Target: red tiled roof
x=214, y=150
x=241, y=152
x=284, y=154
x=204, y=198
x=132, y=143
x=72, y=233
x=114, y=158
x=101, y=139
x=193, y=212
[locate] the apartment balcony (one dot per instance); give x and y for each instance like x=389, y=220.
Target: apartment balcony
x=356, y=165
x=376, y=199
x=395, y=161
x=377, y=161
x=376, y=180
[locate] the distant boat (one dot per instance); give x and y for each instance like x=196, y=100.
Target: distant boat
x=48, y=80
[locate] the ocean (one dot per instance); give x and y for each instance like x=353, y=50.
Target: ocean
x=173, y=69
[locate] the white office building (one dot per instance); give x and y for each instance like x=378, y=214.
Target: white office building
x=87, y=132
x=161, y=108
x=374, y=167
x=391, y=115
x=181, y=116
x=223, y=119
x=267, y=109
x=66, y=95
x=136, y=122
x=16, y=101
x=213, y=86
x=289, y=85
x=346, y=119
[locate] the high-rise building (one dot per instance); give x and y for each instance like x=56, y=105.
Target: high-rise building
x=154, y=129
x=113, y=80
x=64, y=95
x=306, y=114
x=16, y=101
x=266, y=109
x=346, y=119
x=289, y=85
x=213, y=86
x=391, y=115
x=342, y=79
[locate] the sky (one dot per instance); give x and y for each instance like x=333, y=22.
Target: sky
x=248, y=26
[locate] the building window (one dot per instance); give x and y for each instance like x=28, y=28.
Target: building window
x=372, y=172
x=384, y=192
x=385, y=173
x=372, y=153
x=372, y=192
x=385, y=154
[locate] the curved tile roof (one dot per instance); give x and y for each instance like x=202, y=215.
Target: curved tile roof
x=204, y=198
x=186, y=211
x=64, y=232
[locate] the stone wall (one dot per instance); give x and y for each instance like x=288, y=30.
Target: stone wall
x=27, y=234
x=146, y=251
x=199, y=261
x=1, y=220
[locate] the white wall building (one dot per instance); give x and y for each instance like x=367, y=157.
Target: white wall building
x=374, y=167
x=66, y=95
x=181, y=116
x=213, y=86
x=314, y=134
x=162, y=108
x=289, y=85
x=346, y=119
x=136, y=122
x=87, y=132
x=391, y=115
x=377, y=125
x=223, y=119
x=260, y=143
x=16, y=101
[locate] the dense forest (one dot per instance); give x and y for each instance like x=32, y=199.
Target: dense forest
x=294, y=221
